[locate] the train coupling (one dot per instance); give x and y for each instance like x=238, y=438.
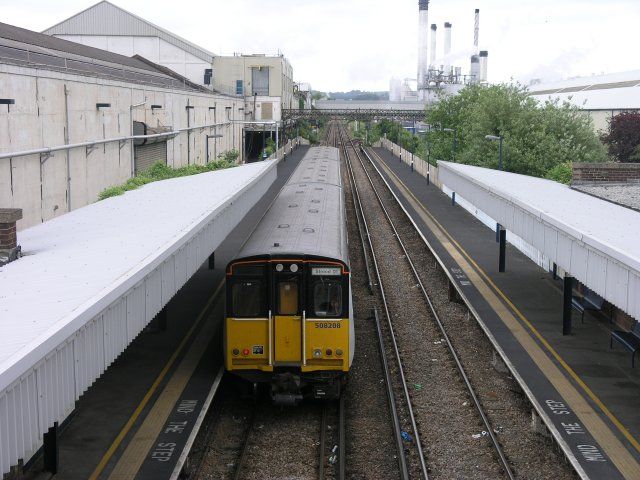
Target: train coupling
x=286, y=399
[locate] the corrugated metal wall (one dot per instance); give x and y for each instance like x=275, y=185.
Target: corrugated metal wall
x=619, y=284
x=47, y=393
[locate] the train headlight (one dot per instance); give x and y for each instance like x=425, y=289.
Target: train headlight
x=328, y=352
x=236, y=351
x=317, y=353
x=279, y=267
x=339, y=352
x=245, y=352
x=293, y=268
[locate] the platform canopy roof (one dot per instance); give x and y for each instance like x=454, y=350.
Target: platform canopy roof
x=595, y=241
x=92, y=279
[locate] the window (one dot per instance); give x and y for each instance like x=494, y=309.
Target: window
x=239, y=87
x=260, y=80
x=247, y=298
x=287, y=298
x=327, y=298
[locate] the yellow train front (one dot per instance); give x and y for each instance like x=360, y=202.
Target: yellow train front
x=289, y=311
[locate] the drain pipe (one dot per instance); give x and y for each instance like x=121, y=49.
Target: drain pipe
x=66, y=141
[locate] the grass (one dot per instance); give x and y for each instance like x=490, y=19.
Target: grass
x=160, y=171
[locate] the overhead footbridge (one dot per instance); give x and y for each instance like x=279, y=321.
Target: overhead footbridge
x=91, y=280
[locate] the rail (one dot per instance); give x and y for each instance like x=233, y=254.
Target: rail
x=402, y=460
x=471, y=390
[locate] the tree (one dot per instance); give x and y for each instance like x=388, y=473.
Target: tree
x=537, y=136
x=623, y=137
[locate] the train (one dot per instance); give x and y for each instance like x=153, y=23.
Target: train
x=289, y=309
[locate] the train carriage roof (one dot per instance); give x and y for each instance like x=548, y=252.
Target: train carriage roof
x=308, y=215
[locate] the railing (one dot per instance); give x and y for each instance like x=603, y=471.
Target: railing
x=92, y=143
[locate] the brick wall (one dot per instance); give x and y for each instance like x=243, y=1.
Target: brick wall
x=605, y=172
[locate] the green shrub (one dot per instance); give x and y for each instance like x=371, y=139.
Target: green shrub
x=111, y=192
x=560, y=173
x=160, y=171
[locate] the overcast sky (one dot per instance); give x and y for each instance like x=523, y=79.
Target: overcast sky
x=359, y=44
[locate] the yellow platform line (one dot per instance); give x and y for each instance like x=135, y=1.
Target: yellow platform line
x=154, y=386
x=626, y=463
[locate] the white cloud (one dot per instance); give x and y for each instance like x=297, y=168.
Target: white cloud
x=345, y=44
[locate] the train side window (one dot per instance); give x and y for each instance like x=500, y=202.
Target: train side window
x=247, y=298
x=287, y=298
x=327, y=299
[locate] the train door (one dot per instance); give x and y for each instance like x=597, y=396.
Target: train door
x=288, y=317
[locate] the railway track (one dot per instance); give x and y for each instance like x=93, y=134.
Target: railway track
x=352, y=156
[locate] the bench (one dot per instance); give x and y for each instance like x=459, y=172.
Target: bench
x=589, y=301
x=629, y=340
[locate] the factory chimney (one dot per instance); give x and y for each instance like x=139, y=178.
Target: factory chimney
x=475, y=69
x=423, y=34
x=432, y=63
x=476, y=31
x=447, y=48
x=484, y=57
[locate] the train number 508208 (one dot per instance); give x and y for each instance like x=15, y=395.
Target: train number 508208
x=327, y=324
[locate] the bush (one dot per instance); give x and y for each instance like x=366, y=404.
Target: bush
x=561, y=173
x=623, y=137
x=160, y=171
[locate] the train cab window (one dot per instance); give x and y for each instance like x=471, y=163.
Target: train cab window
x=247, y=298
x=287, y=298
x=327, y=298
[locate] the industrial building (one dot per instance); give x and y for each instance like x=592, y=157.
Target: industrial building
x=109, y=27
x=264, y=82
x=68, y=113
x=601, y=96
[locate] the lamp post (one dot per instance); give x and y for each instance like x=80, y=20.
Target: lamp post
x=499, y=239
x=453, y=142
x=500, y=139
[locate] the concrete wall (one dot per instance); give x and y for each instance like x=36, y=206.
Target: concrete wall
x=39, y=119
x=154, y=49
x=605, y=172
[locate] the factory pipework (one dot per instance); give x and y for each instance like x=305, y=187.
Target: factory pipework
x=434, y=29
x=447, y=48
x=423, y=34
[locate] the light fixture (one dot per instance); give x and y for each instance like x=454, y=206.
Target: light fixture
x=102, y=105
x=7, y=102
x=155, y=107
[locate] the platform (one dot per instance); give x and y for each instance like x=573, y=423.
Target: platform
x=586, y=393
x=139, y=418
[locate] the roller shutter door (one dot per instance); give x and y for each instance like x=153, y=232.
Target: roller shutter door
x=147, y=155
